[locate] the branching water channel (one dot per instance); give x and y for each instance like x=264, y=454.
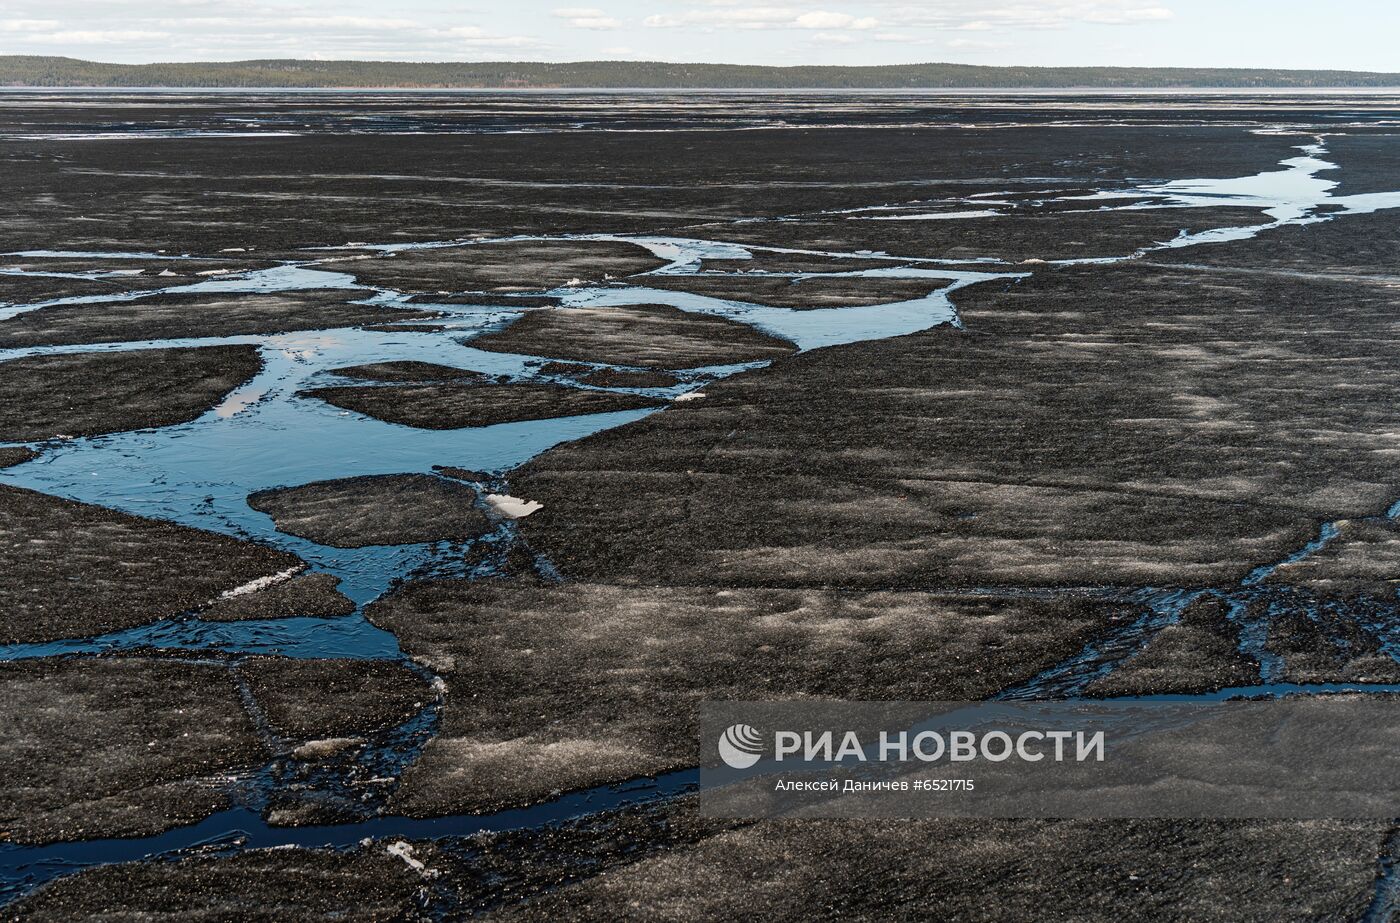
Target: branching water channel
x=264, y=435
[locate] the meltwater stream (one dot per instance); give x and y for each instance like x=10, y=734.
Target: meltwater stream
x=264, y=435
x=1299, y=193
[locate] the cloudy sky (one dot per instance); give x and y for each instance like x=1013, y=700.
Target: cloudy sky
x=1354, y=34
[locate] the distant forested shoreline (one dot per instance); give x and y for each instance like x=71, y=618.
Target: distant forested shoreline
x=35, y=71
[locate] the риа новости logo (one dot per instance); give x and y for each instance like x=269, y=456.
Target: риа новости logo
x=740, y=746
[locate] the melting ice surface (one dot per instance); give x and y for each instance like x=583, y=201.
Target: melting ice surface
x=1284, y=195
x=263, y=435
x=1292, y=195
x=819, y=327
x=1289, y=196
x=350, y=638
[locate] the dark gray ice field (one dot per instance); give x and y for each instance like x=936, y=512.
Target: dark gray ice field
x=386, y=478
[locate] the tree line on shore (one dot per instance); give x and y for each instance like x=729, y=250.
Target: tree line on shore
x=35, y=71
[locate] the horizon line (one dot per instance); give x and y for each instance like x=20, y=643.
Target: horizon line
x=648, y=61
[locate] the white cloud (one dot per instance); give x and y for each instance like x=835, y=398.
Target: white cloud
x=477, y=37
x=587, y=18
x=29, y=25
x=972, y=44
x=834, y=38
x=758, y=31
x=822, y=20
x=928, y=23
x=1028, y=14
x=98, y=37
x=763, y=17
x=365, y=23
x=1145, y=14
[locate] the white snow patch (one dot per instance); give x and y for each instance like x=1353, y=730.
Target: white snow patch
x=513, y=507
x=315, y=749
x=262, y=583
x=936, y=216
x=404, y=850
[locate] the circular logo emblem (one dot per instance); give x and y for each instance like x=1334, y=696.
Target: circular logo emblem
x=740, y=746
